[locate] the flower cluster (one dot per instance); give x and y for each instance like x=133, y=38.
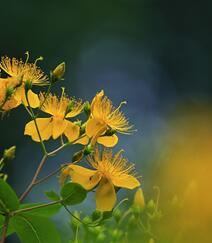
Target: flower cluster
x=109, y=172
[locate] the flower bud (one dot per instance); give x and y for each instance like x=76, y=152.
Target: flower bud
x=78, y=123
x=151, y=241
x=82, y=128
x=9, y=154
x=58, y=72
x=88, y=149
x=151, y=206
x=101, y=237
x=70, y=107
x=116, y=234
x=87, y=108
x=139, y=201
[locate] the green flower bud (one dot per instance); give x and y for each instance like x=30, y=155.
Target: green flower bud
x=151, y=241
x=58, y=72
x=88, y=150
x=87, y=108
x=70, y=107
x=151, y=206
x=116, y=234
x=100, y=237
x=132, y=221
x=87, y=220
x=82, y=128
x=9, y=154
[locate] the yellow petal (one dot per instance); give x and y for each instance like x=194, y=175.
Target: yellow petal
x=108, y=141
x=85, y=177
x=10, y=104
x=44, y=126
x=105, y=195
x=83, y=140
x=59, y=126
x=33, y=99
x=72, y=131
x=95, y=103
x=125, y=181
x=19, y=95
x=93, y=127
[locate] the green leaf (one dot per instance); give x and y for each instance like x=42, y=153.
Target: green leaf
x=8, y=198
x=73, y=193
x=10, y=229
x=52, y=196
x=35, y=229
x=45, y=211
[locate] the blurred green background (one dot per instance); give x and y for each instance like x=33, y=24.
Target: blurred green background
x=157, y=55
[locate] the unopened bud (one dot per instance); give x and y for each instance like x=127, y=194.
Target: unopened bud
x=101, y=237
x=151, y=241
x=88, y=150
x=87, y=108
x=9, y=154
x=151, y=206
x=78, y=123
x=58, y=72
x=139, y=201
x=70, y=107
x=116, y=234
x=82, y=128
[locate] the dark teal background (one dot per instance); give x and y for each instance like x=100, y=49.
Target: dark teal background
x=154, y=54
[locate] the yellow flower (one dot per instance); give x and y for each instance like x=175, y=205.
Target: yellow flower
x=110, y=172
x=105, y=117
x=57, y=124
x=19, y=72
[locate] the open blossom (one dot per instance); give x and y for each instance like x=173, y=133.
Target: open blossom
x=57, y=124
x=105, y=117
x=109, y=172
x=19, y=72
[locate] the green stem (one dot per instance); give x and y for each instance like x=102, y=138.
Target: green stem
x=32, y=183
x=35, y=207
x=4, y=230
x=88, y=225
x=125, y=215
x=49, y=175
